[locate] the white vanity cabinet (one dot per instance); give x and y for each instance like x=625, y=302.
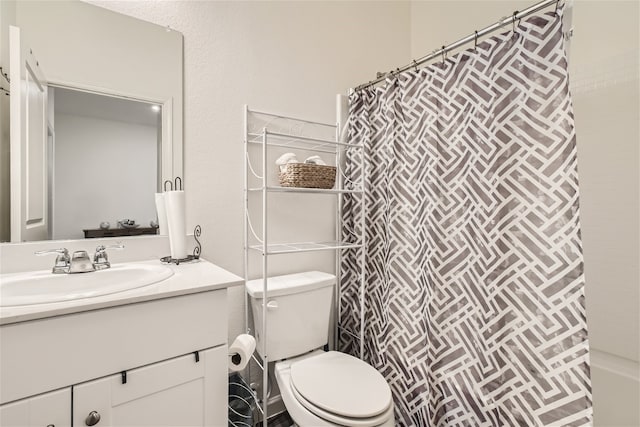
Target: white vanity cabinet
x=180, y=391
x=171, y=349
x=51, y=409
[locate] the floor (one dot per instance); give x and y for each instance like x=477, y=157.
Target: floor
x=280, y=420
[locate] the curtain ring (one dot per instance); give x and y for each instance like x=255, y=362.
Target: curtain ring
x=443, y=52
x=475, y=42
x=513, y=20
x=415, y=65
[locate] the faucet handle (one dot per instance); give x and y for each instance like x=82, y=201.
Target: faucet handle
x=62, y=251
x=100, y=258
x=102, y=248
x=63, y=260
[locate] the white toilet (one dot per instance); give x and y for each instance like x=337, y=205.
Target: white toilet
x=318, y=388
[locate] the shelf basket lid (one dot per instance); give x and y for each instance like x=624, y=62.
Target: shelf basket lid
x=290, y=284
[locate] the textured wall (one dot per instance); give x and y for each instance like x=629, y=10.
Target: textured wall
x=286, y=57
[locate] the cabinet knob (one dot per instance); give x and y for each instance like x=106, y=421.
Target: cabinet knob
x=92, y=419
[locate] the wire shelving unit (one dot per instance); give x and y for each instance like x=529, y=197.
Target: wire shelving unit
x=264, y=132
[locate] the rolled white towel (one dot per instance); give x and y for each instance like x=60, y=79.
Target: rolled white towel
x=286, y=158
x=316, y=160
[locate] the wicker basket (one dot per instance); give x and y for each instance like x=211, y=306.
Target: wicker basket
x=307, y=175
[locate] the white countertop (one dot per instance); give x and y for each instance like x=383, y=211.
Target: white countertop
x=188, y=278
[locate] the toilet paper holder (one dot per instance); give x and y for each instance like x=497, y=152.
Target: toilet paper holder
x=240, y=352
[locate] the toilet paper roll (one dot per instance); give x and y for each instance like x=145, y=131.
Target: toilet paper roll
x=176, y=223
x=240, y=352
x=162, y=214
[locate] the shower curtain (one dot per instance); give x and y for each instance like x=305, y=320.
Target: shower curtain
x=474, y=288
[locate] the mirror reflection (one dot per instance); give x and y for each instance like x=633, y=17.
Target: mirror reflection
x=105, y=165
x=95, y=67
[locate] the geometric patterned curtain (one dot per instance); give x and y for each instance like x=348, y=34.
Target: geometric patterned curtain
x=474, y=290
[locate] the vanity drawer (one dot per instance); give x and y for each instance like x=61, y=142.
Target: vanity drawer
x=47, y=354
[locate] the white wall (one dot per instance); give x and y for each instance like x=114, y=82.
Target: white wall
x=287, y=57
x=605, y=86
x=604, y=83
x=105, y=170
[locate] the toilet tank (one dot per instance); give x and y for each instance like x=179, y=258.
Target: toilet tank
x=298, y=312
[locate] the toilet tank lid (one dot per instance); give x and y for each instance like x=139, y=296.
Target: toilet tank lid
x=290, y=284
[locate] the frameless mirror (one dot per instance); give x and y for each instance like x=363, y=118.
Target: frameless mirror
x=107, y=149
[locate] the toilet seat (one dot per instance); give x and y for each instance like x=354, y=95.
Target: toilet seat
x=341, y=389
x=342, y=420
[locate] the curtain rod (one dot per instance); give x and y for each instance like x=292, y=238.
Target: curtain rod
x=471, y=37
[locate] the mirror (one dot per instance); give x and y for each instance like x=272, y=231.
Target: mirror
x=104, y=166
x=97, y=62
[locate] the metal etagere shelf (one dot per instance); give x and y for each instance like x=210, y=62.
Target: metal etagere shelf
x=304, y=190
x=266, y=131
x=287, y=248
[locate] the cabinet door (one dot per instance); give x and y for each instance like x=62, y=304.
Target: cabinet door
x=49, y=409
x=175, y=392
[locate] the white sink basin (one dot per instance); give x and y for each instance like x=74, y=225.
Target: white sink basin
x=43, y=287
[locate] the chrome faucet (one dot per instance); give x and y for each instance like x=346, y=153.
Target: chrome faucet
x=80, y=261
x=62, y=260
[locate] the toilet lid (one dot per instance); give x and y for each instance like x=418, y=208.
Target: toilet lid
x=342, y=385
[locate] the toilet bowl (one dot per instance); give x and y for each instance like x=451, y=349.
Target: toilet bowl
x=334, y=389
x=318, y=388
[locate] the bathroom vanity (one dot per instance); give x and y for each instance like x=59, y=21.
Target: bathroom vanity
x=155, y=355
